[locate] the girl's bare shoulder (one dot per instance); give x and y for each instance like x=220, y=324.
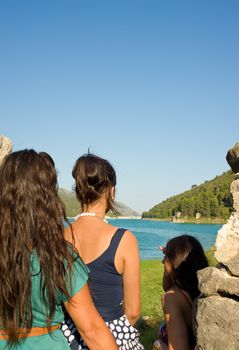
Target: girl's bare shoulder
x=174, y=297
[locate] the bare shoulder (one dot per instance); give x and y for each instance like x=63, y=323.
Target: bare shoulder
x=170, y=300
x=173, y=299
x=168, y=295
x=128, y=244
x=129, y=238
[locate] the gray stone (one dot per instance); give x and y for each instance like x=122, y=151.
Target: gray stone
x=227, y=241
x=212, y=280
x=232, y=158
x=215, y=315
x=5, y=147
x=216, y=323
x=233, y=266
x=234, y=189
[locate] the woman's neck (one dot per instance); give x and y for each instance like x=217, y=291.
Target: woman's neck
x=97, y=209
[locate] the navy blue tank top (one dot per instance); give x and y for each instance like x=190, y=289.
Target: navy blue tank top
x=106, y=284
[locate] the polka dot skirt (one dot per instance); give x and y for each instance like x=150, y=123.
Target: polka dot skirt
x=126, y=336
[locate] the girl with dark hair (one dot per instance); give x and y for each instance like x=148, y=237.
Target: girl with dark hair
x=183, y=257
x=110, y=253
x=39, y=270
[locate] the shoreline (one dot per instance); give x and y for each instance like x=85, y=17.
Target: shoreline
x=209, y=221
x=216, y=221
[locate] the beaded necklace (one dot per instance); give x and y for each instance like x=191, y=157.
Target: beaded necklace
x=90, y=215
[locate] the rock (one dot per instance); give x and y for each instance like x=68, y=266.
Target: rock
x=197, y=216
x=232, y=158
x=212, y=281
x=234, y=189
x=215, y=315
x=5, y=147
x=233, y=265
x=227, y=241
x=216, y=323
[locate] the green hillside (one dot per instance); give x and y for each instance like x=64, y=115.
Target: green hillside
x=211, y=200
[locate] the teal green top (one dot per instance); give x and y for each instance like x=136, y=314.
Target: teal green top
x=55, y=340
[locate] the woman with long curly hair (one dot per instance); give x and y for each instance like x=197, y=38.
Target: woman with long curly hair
x=39, y=270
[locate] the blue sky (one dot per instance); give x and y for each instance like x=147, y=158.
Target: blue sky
x=150, y=85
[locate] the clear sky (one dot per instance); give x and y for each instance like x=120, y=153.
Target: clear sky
x=150, y=85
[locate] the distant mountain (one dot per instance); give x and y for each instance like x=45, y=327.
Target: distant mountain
x=124, y=210
x=71, y=203
x=73, y=206
x=212, y=199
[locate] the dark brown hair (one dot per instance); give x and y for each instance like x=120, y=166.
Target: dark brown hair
x=187, y=257
x=93, y=177
x=31, y=220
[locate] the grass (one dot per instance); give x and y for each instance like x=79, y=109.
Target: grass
x=151, y=292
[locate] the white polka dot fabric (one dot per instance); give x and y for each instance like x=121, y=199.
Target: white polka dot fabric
x=126, y=336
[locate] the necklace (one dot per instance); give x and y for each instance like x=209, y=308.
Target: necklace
x=90, y=214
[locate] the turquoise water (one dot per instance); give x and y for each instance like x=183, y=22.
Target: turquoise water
x=151, y=234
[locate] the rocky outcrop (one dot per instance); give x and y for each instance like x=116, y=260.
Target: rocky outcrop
x=227, y=242
x=232, y=158
x=218, y=281
x=5, y=147
x=227, y=239
x=216, y=311
x=233, y=265
x=217, y=323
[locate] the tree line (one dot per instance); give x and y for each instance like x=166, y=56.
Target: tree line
x=212, y=199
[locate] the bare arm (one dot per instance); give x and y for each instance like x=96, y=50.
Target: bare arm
x=131, y=277
x=91, y=326
x=175, y=322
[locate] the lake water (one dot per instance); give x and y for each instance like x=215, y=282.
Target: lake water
x=151, y=234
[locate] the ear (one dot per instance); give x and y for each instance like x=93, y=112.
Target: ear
x=112, y=192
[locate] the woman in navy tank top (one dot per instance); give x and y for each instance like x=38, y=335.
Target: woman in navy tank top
x=111, y=254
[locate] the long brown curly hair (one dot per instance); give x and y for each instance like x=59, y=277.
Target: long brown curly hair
x=31, y=219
